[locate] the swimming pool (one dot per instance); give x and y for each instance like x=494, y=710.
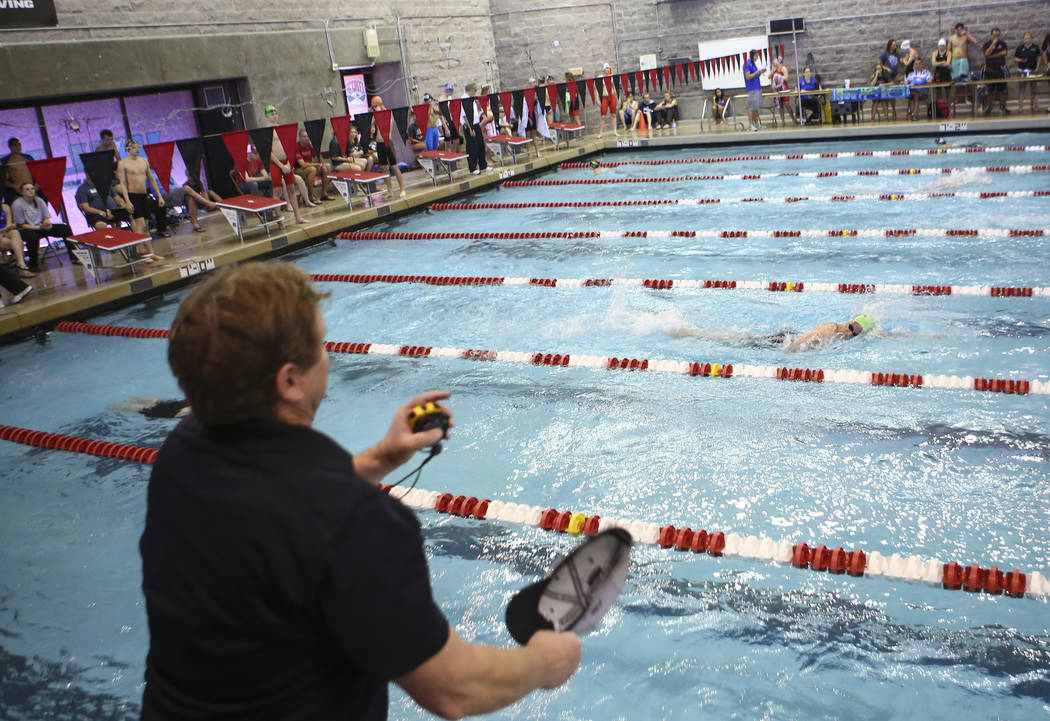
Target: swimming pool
x=938, y=473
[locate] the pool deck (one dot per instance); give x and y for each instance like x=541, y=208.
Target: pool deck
x=67, y=292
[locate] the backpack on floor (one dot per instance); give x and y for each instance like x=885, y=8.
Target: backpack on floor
x=943, y=110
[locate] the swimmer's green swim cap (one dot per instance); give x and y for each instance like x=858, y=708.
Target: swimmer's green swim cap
x=270, y=110
x=865, y=321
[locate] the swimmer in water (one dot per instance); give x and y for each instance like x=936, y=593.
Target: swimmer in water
x=831, y=332
x=969, y=144
x=821, y=335
x=154, y=408
x=596, y=167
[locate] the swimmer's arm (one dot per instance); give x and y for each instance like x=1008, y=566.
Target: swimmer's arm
x=711, y=334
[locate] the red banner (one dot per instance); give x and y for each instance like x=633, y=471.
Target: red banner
x=608, y=85
x=236, y=142
x=667, y=76
x=455, y=107
x=382, y=118
x=530, y=100
x=48, y=174
x=552, y=95
x=572, y=92
x=505, y=103
x=159, y=156
x=422, y=113
x=341, y=131
x=654, y=80
x=678, y=70
x=590, y=89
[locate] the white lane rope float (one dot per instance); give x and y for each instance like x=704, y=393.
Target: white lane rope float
x=720, y=370
x=995, y=291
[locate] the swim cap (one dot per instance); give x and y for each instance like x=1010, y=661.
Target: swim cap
x=941, y=141
x=595, y=164
x=377, y=100
x=270, y=110
x=449, y=87
x=865, y=321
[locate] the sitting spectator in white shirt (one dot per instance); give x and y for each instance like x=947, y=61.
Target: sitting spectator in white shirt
x=916, y=79
x=34, y=221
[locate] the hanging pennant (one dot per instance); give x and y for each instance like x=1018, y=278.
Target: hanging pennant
x=422, y=113
x=262, y=139
x=678, y=70
x=382, y=118
x=315, y=131
x=48, y=174
x=192, y=152
x=654, y=80
x=530, y=98
x=159, y=156
x=506, y=103
x=581, y=90
x=99, y=167
x=667, y=76
x=341, y=131
x=455, y=107
x=236, y=141
x=552, y=94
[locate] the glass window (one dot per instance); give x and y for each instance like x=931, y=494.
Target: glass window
x=72, y=129
x=158, y=117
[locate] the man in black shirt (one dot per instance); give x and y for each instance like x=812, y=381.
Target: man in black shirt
x=280, y=583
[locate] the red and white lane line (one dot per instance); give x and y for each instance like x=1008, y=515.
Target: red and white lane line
x=814, y=556
x=725, y=201
x=702, y=233
x=951, y=575
x=817, y=156
x=994, y=291
x=757, y=176
x=1013, y=385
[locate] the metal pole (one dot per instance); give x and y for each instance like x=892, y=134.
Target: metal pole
x=404, y=63
x=798, y=75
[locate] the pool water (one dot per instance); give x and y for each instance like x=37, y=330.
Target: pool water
x=951, y=475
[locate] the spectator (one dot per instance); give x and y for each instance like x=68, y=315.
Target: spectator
x=356, y=158
x=11, y=242
x=753, y=85
x=880, y=77
x=994, y=69
x=572, y=102
x=470, y=118
x=941, y=62
x=959, y=42
x=667, y=111
x=33, y=219
x=99, y=212
x=13, y=284
x=451, y=132
x=1027, y=56
x=308, y=168
x=135, y=175
x=907, y=63
x=257, y=178
x=810, y=104
x=384, y=155
x=259, y=551
x=435, y=123
x=917, y=81
x=890, y=60
x=647, y=107
x=15, y=171
x=107, y=143
x=194, y=197
x=778, y=79
x=416, y=139
x=718, y=105
x=608, y=106
x=284, y=186
x=488, y=125
x=630, y=112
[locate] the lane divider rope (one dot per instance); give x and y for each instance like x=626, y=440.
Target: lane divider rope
x=817, y=156
x=857, y=563
x=758, y=176
x=723, y=201
x=703, y=233
x=994, y=291
x=691, y=368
